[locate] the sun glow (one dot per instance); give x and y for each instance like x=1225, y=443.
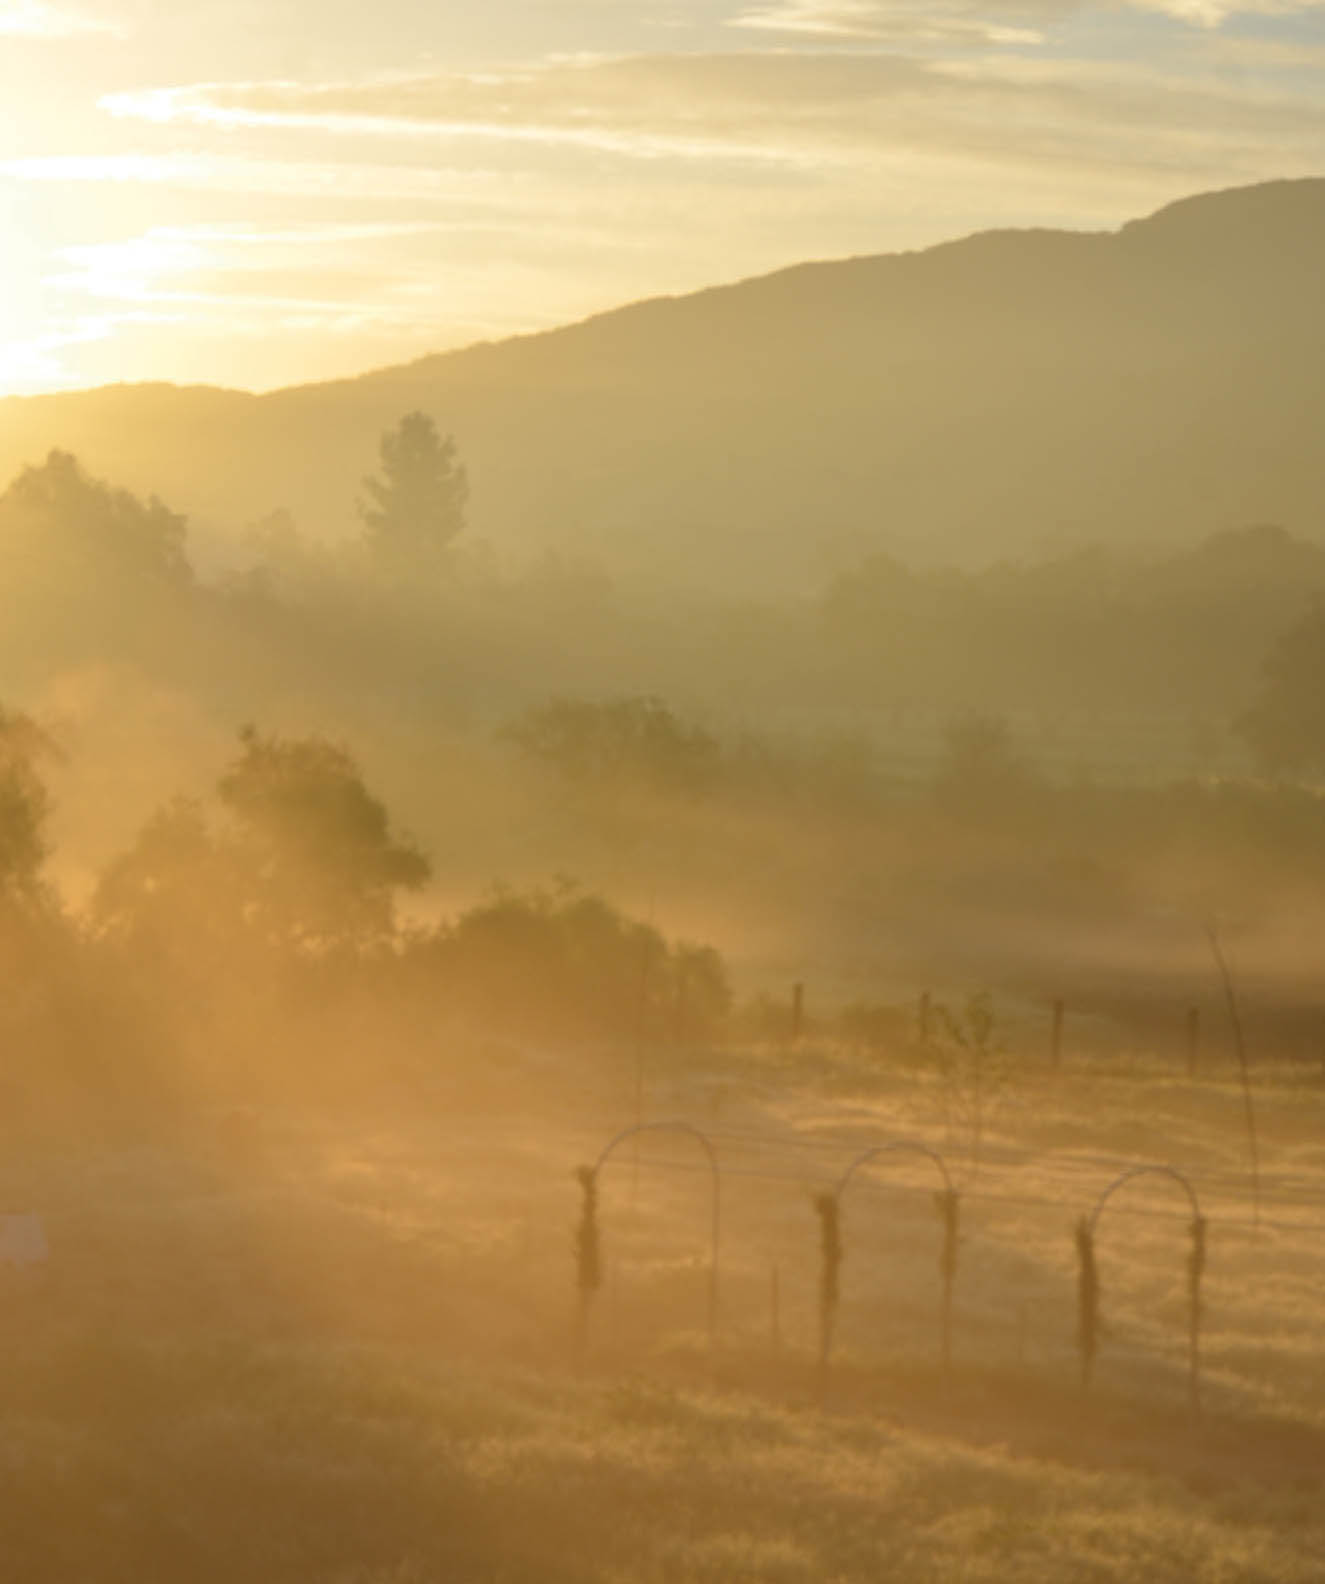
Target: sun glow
x=29, y=354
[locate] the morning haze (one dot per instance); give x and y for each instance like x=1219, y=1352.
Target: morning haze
x=1014, y=392
x=673, y=932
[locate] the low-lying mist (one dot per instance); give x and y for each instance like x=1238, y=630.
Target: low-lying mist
x=366, y=797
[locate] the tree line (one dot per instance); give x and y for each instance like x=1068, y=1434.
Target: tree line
x=229, y=920
x=1228, y=633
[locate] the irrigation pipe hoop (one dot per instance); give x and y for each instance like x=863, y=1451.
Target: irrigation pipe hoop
x=715, y=1231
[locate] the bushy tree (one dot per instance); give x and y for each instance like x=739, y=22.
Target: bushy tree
x=68, y=526
x=414, y=509
x=980, y=770
x=176, y=886
x=306, y=861
x=614, y=739
x=24, y=806
x=316, y=845
x=563, y=964
x=1285, y=725
x=90, y=573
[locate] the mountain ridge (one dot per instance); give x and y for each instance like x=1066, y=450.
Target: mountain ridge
x=987, y=396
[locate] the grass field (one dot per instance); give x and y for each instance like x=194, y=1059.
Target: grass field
x=340, y=1346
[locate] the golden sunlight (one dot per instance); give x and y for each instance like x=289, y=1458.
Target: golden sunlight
x=662, y=792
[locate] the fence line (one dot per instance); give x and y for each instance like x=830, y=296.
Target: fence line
x=1224, y=1185
x=990, y=1154
x=1028, y=1201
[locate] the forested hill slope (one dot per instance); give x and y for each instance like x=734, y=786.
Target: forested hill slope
x=1010, y=391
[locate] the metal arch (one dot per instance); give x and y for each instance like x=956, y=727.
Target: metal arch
x=948, y=1202
x=1196, y=1263
x=892, y=1147
x=715, y=1233
x=1145, y=1171
x=658, y=1127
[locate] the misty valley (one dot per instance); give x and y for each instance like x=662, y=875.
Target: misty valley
x=687, y=949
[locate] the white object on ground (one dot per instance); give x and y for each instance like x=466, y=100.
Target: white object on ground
x=23, y=1240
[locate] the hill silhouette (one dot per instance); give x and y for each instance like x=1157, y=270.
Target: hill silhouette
x=1010, y=392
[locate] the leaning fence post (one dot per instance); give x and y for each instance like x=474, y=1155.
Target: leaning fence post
x=829, y=1210
x=588, y=1255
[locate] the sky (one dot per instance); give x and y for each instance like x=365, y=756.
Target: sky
x=264, y=192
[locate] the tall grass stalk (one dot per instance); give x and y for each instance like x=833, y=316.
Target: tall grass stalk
x=641, y=1019
x=1088, y=1298
x=948, y=1204
x=1195, y=1270
x=1244, y=1073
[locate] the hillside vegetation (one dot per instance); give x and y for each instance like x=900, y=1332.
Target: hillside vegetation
x=1010, y=392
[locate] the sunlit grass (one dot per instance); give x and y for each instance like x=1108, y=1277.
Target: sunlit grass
x=342, y=1348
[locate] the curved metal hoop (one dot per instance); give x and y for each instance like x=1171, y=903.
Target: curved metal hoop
x=948, y=1206
x=1195, y=1267
x=715, y=1231
x=893, y=1147
x=1133, y=1172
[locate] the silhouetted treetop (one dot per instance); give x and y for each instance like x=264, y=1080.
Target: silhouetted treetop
x=323, y=859
x=415, y=507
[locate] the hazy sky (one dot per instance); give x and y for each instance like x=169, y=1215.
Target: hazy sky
x=258, y=192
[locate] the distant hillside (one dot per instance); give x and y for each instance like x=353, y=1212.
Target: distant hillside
x=999, y=394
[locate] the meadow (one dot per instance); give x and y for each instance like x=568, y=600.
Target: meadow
x=339, y=1343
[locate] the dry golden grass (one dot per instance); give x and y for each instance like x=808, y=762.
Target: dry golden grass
x=341, y=1349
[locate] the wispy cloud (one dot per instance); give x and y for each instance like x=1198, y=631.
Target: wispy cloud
x=271, y=214
x=339, y=279
x=807, y=113
x=991, y=22
x=854, y=21
x=34, y=19
x=849, y=19
x=1212, y=13
x=142, y=268
x=351, y=181
x=39, y=362
x=295, y=107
